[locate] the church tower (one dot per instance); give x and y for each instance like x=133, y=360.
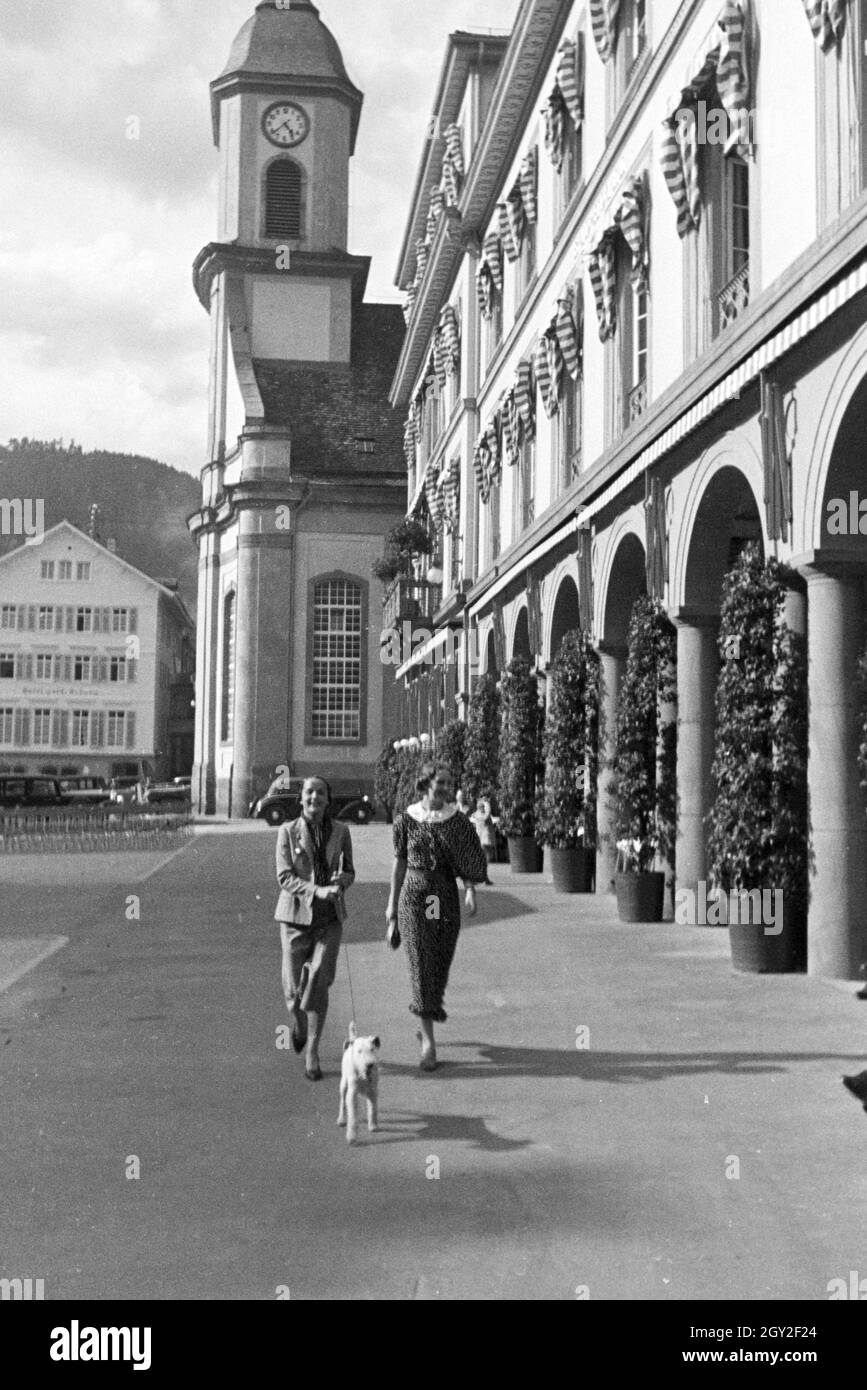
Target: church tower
x=294, y=511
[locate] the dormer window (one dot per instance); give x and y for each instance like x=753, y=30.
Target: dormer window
x=284, y=183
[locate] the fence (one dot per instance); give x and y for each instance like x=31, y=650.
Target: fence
x=112, y=829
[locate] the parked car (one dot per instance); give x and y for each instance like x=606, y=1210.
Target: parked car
x=126, y=791
x=86, y=791
x=166, y=794
x=282, y=802
x=44, y=792
x=182, y=782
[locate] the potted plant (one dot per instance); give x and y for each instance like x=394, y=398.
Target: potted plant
x=404, y=541
x=412, y=756
x=566, y=819
x=644, y=764
x=451, y=742
x=757, y=826
x=482, y=747
x=519, y=765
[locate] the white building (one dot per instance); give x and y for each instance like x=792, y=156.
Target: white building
x=637, y=337
x=96, y=663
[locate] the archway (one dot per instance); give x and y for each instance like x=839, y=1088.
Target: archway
x=521, y=637
x=727, y=519
x=565, y=617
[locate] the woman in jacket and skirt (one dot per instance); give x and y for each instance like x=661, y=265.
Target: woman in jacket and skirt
x=434, y=845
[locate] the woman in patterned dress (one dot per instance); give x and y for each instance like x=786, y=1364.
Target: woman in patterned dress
x=434, y=844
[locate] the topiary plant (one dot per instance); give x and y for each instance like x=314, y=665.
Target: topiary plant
x=519, y=749
x=482, y=748
x=644, y=784
x=566, y=816
x=385, y=781
x=411, y=759
x=451, y=744
x=757, y=826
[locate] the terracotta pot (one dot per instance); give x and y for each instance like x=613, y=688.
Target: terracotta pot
x=525, y=856
x=640, y=897
x=573, y=869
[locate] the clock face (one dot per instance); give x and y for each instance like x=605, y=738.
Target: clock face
x=286, y=124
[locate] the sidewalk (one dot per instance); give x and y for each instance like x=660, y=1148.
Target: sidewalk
x=700, y=1145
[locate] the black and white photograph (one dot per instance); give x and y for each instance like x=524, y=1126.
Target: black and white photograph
x=433, y=662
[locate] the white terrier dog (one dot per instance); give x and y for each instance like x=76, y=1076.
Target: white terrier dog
x=359, y=1074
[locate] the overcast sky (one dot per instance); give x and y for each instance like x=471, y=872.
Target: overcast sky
x=101, y=336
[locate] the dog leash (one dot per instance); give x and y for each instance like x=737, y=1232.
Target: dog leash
x=349, y=977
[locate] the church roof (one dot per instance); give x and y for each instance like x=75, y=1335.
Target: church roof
x=338, y=413
x=289, y=40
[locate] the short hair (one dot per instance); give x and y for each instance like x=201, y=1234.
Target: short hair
x=429, y=772
x=314, y=777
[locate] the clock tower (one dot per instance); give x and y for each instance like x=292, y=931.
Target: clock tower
x=316, y=471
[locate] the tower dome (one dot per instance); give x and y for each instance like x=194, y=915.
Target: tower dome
x=286, y=43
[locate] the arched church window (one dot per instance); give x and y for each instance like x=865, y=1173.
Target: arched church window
x=227, y=720
x=283, y=199
x=337, y=659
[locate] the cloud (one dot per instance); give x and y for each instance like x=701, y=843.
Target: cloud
x=101, y=336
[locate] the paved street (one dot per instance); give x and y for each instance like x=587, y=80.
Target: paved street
x=560, y=1167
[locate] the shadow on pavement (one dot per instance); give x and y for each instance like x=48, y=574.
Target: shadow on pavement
x=401, y=1127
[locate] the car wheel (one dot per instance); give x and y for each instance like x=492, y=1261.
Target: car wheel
x=275, y=815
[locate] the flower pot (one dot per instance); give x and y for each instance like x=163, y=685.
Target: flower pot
x=640, y=896
x=573, y=869
x=756, y=951
x=525, y=856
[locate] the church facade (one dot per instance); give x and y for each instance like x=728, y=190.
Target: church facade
x=295, y=510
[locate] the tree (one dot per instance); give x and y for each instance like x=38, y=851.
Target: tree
x=520, y=749
x=482, y=750
x=567, y=805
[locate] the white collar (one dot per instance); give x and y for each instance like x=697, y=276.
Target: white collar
x=420, y=813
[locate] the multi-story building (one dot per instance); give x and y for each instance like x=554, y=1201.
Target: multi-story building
x=96, y=663
x=636, y=265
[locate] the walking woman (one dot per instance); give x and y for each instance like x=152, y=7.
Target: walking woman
x=434, y=844
x=314, y=869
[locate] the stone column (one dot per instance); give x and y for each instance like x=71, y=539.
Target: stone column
x=697, y=671
x=612, y=664
x=837, y=918
x=207, y=658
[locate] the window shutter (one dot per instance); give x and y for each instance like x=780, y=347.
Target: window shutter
x=63, y=731
x=17, y=728
x=25, y=726
x=31, y=617
x=21, y=617
x=28, y=668
x=67, y=668
x=132, y=621
x=97, y=723
x=19, y=666
x=131, y=665
x=70, y=620
x=102, y=674
x=130, y=728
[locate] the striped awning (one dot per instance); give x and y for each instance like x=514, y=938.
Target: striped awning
x=542, y=365
x=555, y=116
x=570, y=78
x=452, y=494
x=602, y=269
x=679, y=157
x=450, y=335
x=568, y=328
x=510, y=243
x=453, y=164
x=489, y=275
x=827, y=21
x=528, y=180
x=525, y=399
x=409, y=440
x=433, y=495
x=630, y=220
x=732, y=76
x=422, y=253
x=603, y=19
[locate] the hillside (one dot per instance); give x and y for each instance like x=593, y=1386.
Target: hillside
x=143, y=504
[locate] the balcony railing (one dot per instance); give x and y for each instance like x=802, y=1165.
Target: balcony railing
x=410, y=600
x=637, y=401
x=734, y=297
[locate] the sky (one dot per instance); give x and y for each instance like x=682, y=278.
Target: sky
x=102, y=339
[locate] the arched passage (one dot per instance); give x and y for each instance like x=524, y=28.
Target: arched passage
x=565, y=617
x=521, y=637
x=726, y=520
x=491, y=655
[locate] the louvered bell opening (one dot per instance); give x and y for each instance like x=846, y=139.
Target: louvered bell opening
x=283, y=200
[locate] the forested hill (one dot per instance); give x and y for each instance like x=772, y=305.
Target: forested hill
x=143, y=504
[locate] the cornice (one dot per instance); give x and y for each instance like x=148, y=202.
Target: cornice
x=219, y=256
x=278, y=83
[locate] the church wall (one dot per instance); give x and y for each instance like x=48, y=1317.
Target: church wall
x=299, y=320
x=228, y=218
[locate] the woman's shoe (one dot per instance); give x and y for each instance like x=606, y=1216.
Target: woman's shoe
x=298, y=1042
x=428, y=1059
x=314, y=1074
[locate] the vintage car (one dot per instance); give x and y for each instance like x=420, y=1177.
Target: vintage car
x=86, y=791
x=27, y=792
x=282, y=802
x=166, y=794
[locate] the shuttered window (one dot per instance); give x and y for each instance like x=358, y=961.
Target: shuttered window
x=283, y=186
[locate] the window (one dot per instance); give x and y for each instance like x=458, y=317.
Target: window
x=82, y=570
x=493, y=533
x=525, y=266
x=117, y=668
x=492, y=331
x=567, y=433
x=7, y=666
x=81, y=668
x=631, y=44
x=119, y=619
x=115, y=729
x=525, y=504
x=80, y=728
x=638, y=372
x=8, y=616
x=42, y=726
x=46, y=569
x=227, y=719
x=572, y=167
x=83, y=619
x=64, y=568
x=44, y=666
x=628, y=351
x=6, y=717
x=46, y=619
x=283, y=199
x=734, y=251
x=336, y=694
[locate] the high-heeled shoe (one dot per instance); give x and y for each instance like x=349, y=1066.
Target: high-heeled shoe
x=428, y=1059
